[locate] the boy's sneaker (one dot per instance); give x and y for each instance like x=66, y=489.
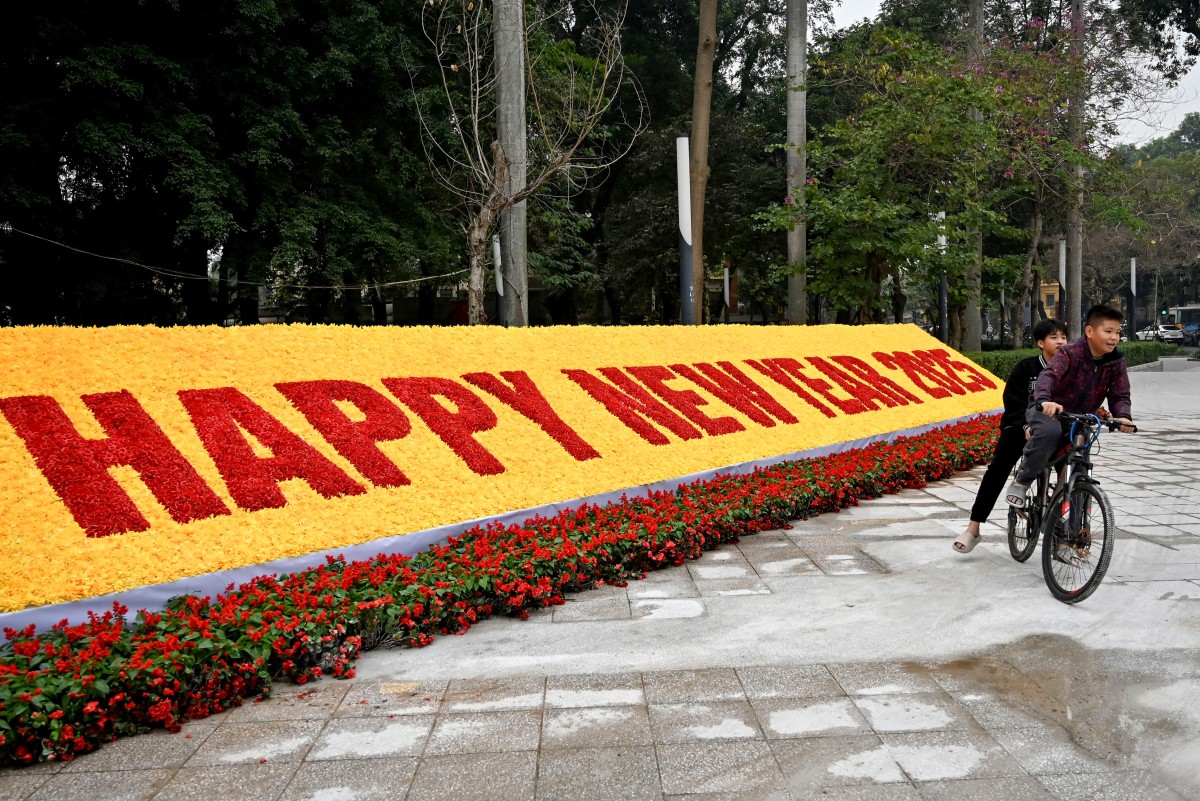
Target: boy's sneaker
x=1015, y=495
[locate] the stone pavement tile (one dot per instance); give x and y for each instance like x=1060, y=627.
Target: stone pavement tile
x=15, y=786
x=600, y=593
x=368, y=738
x=869, y=792
x=748, y=768
x=494, y=695
x=381, y=699
x=801, y=681
x=887, y=678
x=677, y=686
x=718, y=720
x=913, y=712
x=724, y=555
x=274, y=741
x=994, y=713
x=1169, y=590
x=852, y=564
x=594, y=689
x=667, y=609
x=938, y=756
x=596, y=727
x=812, y=764
x=475, y=777
x=374, y=780
x=762, y=795
x=294, y=702
x=491, y=732
x=732, y=587
x=1047, y=750
x=604, y=609
x=1018, y=788
x=157, y=749
x=599, y=774
x=1123, y=786
x=228, y=782
x=720, y=572
x=662, y=590
x=797, y=565
x=125, y=785
x=810, y=717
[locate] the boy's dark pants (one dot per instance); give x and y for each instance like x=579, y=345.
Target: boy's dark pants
x=1045, y=435
x=1007, y=453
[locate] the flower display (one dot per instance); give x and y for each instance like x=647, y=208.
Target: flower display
x=135, y=455
x=67, y=690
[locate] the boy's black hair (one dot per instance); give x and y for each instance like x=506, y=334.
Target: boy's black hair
x=1045, y=328
x=1100, y=312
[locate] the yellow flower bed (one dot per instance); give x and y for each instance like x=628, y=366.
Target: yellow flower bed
x=135, y=455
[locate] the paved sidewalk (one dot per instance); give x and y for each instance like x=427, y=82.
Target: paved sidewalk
x=852, y=657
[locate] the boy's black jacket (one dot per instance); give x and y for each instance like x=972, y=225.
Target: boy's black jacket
x=1018, y=389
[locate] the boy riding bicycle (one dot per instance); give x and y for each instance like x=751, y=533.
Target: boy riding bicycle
x=1050, y=336
x=1084, y=373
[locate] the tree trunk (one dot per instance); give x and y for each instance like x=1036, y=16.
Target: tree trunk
x=797, y=98
x=509, y=22
x=1027, y=272
x=899, y=300
x=1074, y=287
x=972, y=322
x=701, y=117
x=477, y=241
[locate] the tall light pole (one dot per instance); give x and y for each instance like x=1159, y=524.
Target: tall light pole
x=797, y=167
x=973, y=325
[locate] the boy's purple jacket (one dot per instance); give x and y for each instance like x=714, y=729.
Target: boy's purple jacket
x=1081, y=383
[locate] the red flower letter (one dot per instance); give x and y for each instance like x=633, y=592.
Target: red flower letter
x=629, y=403
x=219, y=415
x=77, y=468
x=735, y=388
x=455, y=428
x=524, y=396
x=685, y=401
x=355, y=440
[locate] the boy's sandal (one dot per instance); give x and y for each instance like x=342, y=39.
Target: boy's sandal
x=966, y=542
x=1016, y=496
x=1066, y=554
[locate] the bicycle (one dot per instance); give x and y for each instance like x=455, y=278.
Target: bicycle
x=1073, y=515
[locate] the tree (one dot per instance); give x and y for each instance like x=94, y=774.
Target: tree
x=701, y=114
x=572, y=90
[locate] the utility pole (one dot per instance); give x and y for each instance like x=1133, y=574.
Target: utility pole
x=797, y=131
x=972, y=325
x=509, y=22
x=1074, y=287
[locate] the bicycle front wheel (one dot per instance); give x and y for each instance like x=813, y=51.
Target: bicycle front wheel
x=1023, y=527
x=1077, y=542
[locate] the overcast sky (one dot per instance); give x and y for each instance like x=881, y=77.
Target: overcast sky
x=1162, y=121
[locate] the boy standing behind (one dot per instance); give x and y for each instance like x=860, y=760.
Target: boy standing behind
x=1082, y=375
x=1050, y=336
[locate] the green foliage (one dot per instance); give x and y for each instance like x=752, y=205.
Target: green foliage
x=1001, y=362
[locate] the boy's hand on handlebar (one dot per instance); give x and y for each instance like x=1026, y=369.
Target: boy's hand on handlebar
x=1050, y=408
x=1127, y=426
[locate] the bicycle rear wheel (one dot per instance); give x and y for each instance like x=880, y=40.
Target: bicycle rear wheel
x=1077, y=547
x=1023, y=527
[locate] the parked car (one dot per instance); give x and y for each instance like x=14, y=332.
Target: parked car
x=1164, y=332
x=1191, y=334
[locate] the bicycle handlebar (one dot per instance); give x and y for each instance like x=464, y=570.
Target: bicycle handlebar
x=1091, y=419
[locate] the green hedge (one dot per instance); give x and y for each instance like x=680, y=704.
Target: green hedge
x=1001, y=362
